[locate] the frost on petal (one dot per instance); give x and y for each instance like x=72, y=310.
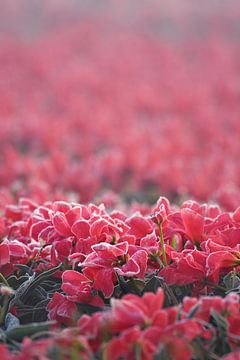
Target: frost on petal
x=194, y=224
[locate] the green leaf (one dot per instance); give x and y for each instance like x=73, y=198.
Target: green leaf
x=193, y=311
x=88, y=309
x=200, y=351
x=152, y=285
x=26, y=289
x=231, y=280
x=117, y=291
x=14, y=281
x=25, y=269
x=11, y=321
x=19, y=332
x=220, y=344
x=34, y=282
x=162, y=355
x=133, y=286
x=138, y=284
x=2, y=335
x=221, y=322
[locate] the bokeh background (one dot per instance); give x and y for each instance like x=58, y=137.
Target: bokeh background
x=101, y=100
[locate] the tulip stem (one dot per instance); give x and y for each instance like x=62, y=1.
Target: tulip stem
x=3, y=280
x=162, y=244
x=3, y=309
x=138, y=352
x=219, y=287
x=158, y=260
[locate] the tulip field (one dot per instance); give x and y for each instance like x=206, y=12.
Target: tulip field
x=119, y=180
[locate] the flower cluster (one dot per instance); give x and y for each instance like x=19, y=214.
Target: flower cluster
x=88, y=260
x=194, y=244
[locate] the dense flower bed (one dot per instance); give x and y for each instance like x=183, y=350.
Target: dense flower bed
x=104, y=105
x=162, y=281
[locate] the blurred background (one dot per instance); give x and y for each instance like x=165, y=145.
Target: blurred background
x=102, y=100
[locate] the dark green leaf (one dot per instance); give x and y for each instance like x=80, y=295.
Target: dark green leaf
x=162, y=355
x=221, y=322
x=231, y=280
x=2, y=335
x=19, y=332
x=133, y=286
x=26, y=289
x=11, y=321
x=220, y=344
x=14, y=281
x=152, y=285
x=88, y=309
x=193, y=311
